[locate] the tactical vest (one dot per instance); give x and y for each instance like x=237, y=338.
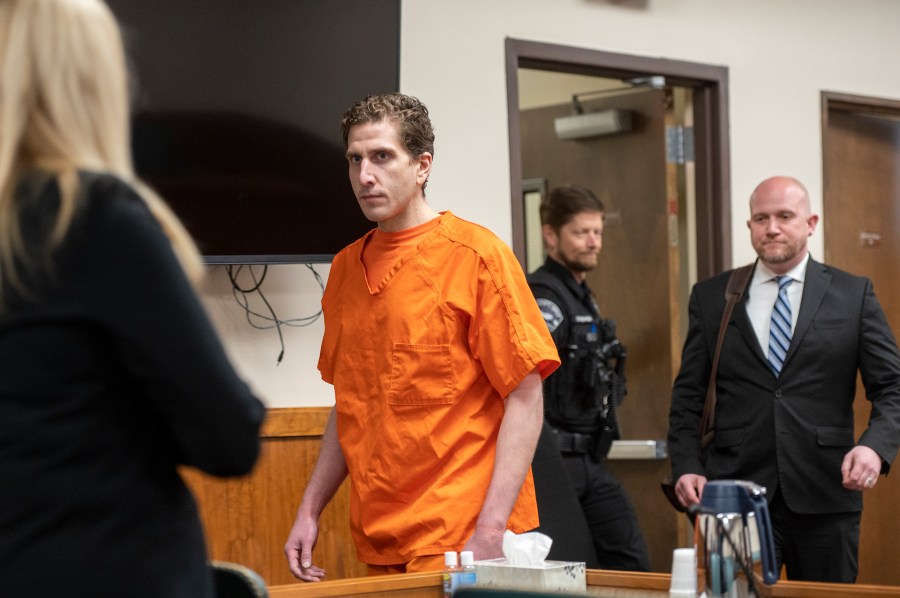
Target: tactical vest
x=576, y=395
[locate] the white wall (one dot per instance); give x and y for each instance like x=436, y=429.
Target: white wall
x=293, y=293
x=780, y=54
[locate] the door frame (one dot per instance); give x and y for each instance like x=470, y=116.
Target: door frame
x=711, y=135
x=834, y=100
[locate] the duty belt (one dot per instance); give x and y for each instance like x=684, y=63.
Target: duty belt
x=572, y=442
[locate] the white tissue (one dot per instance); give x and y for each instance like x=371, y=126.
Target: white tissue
x=528, y=549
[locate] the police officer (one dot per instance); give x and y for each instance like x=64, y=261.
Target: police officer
x=580, y=398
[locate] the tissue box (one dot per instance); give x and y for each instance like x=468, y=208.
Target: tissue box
x=551, y=576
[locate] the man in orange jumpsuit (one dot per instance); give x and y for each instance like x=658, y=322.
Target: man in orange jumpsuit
x=436, y=350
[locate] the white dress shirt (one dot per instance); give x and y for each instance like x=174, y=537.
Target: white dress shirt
x=762, y=293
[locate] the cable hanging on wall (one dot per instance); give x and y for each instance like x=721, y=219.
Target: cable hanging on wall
x=271, y=320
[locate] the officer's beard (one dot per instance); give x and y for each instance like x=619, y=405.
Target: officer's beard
x=585, y=265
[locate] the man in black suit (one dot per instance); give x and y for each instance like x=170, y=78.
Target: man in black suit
x=784, y=416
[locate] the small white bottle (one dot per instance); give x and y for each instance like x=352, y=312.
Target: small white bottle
x=451, y=573
x=467, y=572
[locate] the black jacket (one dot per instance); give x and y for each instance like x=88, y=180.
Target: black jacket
x=574, y=394
x=112, y=377
x=790, y=432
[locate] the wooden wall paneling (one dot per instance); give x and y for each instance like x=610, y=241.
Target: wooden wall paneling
x=247, y=519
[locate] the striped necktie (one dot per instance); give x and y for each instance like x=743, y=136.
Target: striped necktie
x=780, y=329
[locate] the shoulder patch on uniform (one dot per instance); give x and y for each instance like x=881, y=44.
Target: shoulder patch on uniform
x=553, y=315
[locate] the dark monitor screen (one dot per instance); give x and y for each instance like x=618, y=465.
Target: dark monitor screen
x=236, y=116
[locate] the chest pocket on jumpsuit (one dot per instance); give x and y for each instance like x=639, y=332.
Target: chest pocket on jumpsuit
x=421, y=374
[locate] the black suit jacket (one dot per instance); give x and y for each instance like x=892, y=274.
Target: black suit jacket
x=790, y=432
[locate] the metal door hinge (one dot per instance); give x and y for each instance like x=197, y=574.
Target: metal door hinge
x=679, y=144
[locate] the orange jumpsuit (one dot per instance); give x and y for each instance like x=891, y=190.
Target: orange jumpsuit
x=420, y=364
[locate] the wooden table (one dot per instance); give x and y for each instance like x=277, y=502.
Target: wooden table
x=608, y=584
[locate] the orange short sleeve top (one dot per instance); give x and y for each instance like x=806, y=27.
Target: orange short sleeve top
x=420, y=364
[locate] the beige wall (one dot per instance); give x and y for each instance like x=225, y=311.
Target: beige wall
x=780, y=54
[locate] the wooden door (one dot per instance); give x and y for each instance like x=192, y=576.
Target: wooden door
x=636, y=281
x=861, y=221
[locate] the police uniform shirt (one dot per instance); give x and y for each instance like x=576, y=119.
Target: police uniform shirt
x=572, y=316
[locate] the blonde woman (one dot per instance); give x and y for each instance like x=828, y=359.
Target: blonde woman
x=111, y=373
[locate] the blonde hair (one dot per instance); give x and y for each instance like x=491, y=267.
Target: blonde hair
x=63, y=108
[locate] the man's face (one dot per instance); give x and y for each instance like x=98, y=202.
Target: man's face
x=386, y=180
x=780, y=223
x=577, y=244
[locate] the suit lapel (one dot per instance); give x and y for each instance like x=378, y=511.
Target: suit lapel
x=818, y=277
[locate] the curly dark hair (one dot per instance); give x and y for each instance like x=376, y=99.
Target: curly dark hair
x=408, y=112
